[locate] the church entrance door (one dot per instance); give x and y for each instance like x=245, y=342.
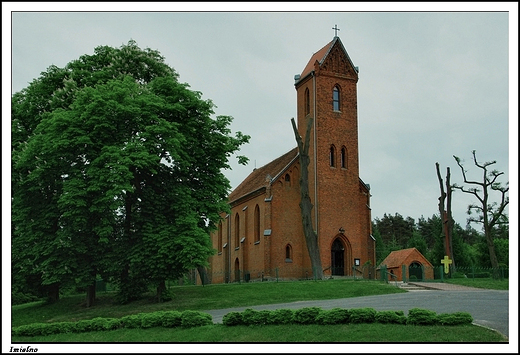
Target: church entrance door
x=338, y=258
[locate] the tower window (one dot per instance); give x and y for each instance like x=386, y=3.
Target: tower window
x=288, y=253
x=307, y=102
x=332, y=156
x=335, y=98
x=344, y=157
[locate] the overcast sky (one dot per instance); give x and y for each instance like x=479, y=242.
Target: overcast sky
x=431, y=84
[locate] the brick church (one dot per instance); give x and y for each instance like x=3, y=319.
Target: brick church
x=262, y=238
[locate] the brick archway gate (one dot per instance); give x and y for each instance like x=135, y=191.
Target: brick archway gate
x=340, y=256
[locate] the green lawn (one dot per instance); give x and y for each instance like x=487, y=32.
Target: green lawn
x=220, y=296
x=487, y=283
x=349, y=333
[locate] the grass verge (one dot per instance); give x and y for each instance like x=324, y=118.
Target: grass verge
x=349, y=333
x=486, y=283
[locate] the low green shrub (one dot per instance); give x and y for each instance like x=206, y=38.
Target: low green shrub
x=132, y=321
x=195, y=319
x=419, y=316
x=150, y=320
x=232, y=318
x=167, y=319
x=393, y=317
x=456, y=318
x=333, y=316
x=306, y=315
x=29, y=330
x=282, y=316
x=249, y=316
x=171, y=319
x=83, y=326
x=363, y=315
x=98, y=324
x=263, y=317
x=21, y=298
x=254, y=317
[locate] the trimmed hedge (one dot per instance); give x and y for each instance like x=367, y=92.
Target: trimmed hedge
x=306, y=315
x=309, y=315
x=392, y=317
x=315, y=315
x=456, y=318
x=333, y=316
x=167, y=319
x=419, y=316
x=363, y=315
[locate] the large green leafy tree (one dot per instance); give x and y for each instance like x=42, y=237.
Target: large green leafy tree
x=117, y=171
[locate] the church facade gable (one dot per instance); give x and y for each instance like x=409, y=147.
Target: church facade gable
x=338, y=63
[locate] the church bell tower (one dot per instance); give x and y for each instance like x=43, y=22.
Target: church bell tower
x=327, y=94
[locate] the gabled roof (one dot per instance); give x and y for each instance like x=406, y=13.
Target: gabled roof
x=396, y=258
x=321, y=55
x=258, y=178
x=318, y=56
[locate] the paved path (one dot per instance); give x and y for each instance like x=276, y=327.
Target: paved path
x=489, y=308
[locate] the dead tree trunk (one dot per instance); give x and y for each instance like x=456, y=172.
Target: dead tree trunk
x=488, y=213
x=311, y=237
x=447, y=220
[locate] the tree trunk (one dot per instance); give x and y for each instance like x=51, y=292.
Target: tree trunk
x=160, y=289
x=492, y=253
x=447, y=221
x=450, y=222
x=54, y=293
x=91, y=294
x=203, y=275
x=311, y=238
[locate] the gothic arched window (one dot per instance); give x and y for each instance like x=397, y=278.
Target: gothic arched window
x=335, y=99
x=344, y=157
x=288, y=252
x=332, y=156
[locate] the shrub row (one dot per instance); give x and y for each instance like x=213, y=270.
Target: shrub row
x=168, y=319
x=315, y=315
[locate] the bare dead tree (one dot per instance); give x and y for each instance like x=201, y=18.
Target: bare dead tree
x=446, y=216
x=487, y=213
x=311, y=237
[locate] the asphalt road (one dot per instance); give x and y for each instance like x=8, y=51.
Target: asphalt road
x=489, y=308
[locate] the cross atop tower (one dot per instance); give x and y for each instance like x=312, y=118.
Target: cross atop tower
x=336, y=29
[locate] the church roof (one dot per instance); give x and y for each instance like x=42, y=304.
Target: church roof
x=321, y=55
x=261, y=177
x=318, y=56
x=396, y=258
